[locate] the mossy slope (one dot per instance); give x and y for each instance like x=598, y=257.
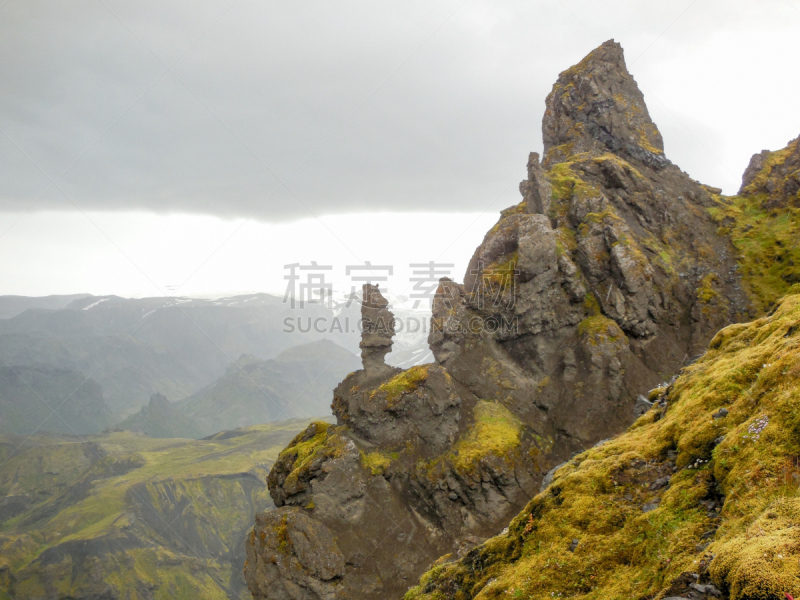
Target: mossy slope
x=688, y=488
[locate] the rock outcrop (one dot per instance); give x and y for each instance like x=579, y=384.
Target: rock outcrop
x=605, y=280
x=775, y=175
x=377, y=323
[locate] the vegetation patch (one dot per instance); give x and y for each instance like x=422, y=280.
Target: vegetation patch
x=767, y=242
x=318, y=441
x=775, y=160
x=501, y=273
x=109, y=497
x=377, y=462
x=591, y=305
x=403, y=383
x=598, y=329
x=495, y=432
x=566, y=184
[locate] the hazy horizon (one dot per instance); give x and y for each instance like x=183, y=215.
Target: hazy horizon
x=145, y=149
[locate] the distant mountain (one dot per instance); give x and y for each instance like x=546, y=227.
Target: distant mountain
x=162, y=419
x=297, y=384
x=29, y=394
x=134, y=348
x=11, y=306
x=122, y=515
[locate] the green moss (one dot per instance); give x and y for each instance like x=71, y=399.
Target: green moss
x=495, y=432
x=282, y=535
x=566, y=184
x=775, y=159
x=765, y=238
x=566, y=240
x=706, y=292
x=753, y=370
x=377, y=462
x=317, y=441
x=517, y=209
x=402, y=383
x=591, y=305
x=599, y=329
x=601, y=217
x=621, y=164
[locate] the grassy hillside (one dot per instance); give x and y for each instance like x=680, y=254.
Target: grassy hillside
x=703, y=489
x=122, y=515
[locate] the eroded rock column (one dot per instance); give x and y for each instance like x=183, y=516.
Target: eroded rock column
x=377, y=323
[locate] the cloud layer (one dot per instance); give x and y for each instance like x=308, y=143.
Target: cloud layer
x=288, y=110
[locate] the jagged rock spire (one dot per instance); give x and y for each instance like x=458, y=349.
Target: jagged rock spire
x=377, y=331
x=597, y=106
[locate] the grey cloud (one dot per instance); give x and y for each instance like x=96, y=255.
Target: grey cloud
x=274, y=84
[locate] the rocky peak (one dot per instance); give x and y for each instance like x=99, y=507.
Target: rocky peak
x=597, y=105
x=377, y=330
x=775, y=175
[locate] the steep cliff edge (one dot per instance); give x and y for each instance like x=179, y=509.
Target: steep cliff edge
x=607, y=278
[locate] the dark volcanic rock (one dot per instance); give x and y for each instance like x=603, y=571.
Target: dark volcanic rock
x=599, y=285
x=596, y=106
x=377, y=323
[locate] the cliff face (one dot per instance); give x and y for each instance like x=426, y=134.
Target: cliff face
x=611, y=266
x=605, y=280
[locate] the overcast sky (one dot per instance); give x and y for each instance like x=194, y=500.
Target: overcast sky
x=142, y=142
